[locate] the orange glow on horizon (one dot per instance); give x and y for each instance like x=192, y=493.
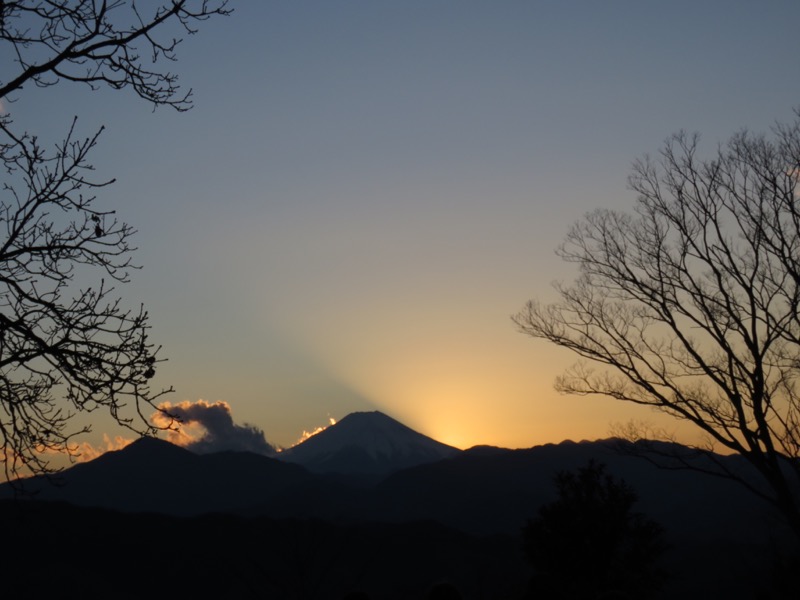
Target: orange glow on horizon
x=86, y=451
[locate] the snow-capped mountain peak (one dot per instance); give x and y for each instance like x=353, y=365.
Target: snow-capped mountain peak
x=367, y=443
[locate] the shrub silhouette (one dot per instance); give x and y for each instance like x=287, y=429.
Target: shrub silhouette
x=589, y=543
x=443, y=591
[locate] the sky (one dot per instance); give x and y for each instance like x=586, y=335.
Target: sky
x=366, y=191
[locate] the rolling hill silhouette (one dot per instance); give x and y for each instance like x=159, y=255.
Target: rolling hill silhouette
x=482, y=490
x=152, y=475
x=481, y=496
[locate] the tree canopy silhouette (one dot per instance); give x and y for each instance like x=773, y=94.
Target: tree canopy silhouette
x=589, y=542
x=68, y=347
x=690, y=303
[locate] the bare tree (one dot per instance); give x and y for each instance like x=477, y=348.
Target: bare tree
x=690, y=303
x=68, y=347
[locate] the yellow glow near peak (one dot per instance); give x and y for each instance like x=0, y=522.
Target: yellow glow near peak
x=307, y=434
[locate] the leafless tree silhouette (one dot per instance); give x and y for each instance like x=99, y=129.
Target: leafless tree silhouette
x=690, y=303
x=68, y=347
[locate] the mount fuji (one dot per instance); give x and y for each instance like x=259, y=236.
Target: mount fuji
x=366, y=444
x=370, y=466
x=359, y=489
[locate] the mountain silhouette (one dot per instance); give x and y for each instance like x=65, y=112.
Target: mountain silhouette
x=487, y=490
x=484, y=493
x=152, y=475
x=366, y=443
x=483, y=490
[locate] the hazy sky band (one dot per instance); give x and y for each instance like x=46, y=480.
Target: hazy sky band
x=365, y=192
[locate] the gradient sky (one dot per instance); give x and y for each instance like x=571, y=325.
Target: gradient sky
x=366, y=191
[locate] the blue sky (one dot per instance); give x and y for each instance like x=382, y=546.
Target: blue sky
x=365, y=192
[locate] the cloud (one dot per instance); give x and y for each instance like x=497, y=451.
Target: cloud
x=86, y=451
x=16, y=466
x=12, y=466
x=313, y=432
x=204, y=428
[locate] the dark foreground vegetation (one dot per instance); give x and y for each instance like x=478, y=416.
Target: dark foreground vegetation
x=57, y=550
x=54, y=549
x=573, y=521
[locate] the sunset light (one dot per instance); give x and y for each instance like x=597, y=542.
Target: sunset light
x=307, y=434
x=422, y=300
